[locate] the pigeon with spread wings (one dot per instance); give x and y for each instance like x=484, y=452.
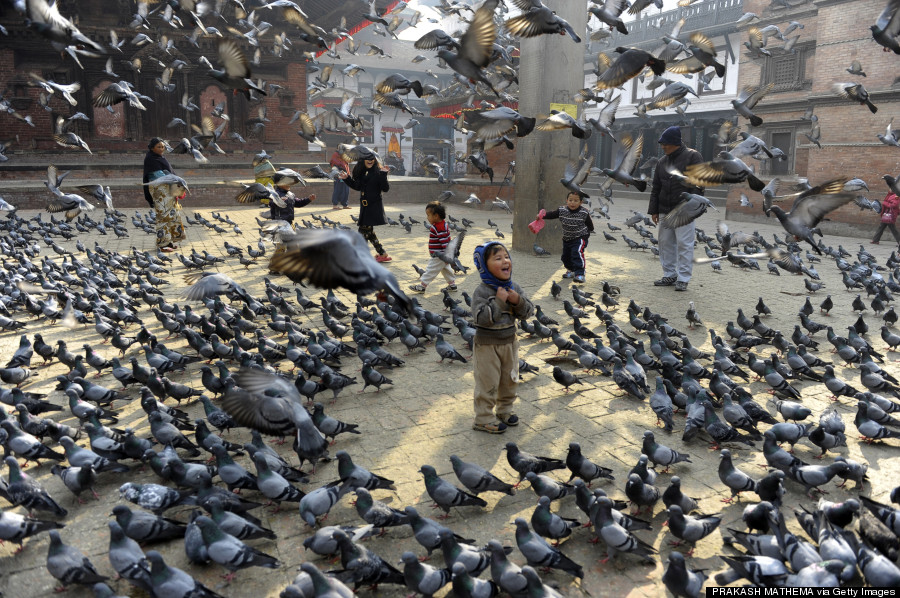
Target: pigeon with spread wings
x=810, y=208
x=576, y=174
x=475, y=46
x=630, y=151
x=886, y=29
x=235, y=72
x=630, y=63
x=272, y=405
x=725, y=169
x=536, y=19
x=335, y=258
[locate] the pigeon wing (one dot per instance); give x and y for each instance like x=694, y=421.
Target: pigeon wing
x=233, y=60
x=889, y=19
x=813, y=205
x=477, y=43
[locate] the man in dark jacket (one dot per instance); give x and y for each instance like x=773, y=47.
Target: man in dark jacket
x=676, y=245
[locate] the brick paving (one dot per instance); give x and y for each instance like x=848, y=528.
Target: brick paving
x=426, y=415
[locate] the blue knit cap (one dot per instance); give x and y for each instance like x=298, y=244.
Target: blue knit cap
x=481, y=265
x=671, y=136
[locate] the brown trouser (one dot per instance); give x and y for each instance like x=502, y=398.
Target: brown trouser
x=496, y=379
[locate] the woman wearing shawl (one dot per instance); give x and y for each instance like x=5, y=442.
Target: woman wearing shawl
x=169, y=225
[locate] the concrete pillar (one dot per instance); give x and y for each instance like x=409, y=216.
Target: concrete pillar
x=551, y=69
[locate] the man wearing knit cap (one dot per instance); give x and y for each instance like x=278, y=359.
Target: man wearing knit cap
x=676, y=245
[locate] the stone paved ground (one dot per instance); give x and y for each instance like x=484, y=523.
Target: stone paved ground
x=426, y=415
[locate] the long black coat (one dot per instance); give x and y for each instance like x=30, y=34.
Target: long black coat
x=152, y=163
x=371, y=184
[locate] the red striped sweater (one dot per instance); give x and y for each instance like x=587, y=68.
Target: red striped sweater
x=438, y=236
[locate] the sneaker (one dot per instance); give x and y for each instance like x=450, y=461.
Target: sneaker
x=681, y=285
x=335, y=207
x=665, y=281
x=491, y=428
x=382, y=258
x=510, y=420
x=569, y=274
x=451, y=287
x=874, y=243
x=418, y=288
x=579, y=278
x=346, y=207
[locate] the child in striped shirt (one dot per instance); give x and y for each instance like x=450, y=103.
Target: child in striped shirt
x=438, y=239
x=577, y=226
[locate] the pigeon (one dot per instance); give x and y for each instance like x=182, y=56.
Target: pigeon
x=127, y=558
x=25, y=491
x=144, y=527
x=354, y=476
x=377, y=513
x=524, y=462
x=68, y=565
x=582, y=467
x=477, y=479
x=539, y=553
x=361, y=565
x=335, y=258
x=446, y=495
x=173, y=582
x=736, y=480
x=421, y=578
x=15, y=527
x=680, y=580
x=660, y=454
x=228, y=551
x=269, y=403
x=549, y=524
x=689, y=528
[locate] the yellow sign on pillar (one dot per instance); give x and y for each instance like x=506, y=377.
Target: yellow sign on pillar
x=570, y=109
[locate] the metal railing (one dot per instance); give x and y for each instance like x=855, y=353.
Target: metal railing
x=697, y=17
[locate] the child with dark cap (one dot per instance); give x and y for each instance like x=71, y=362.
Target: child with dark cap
x=496, y=305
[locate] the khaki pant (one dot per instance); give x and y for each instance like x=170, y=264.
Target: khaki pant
x=437, y=266
x=496, y=379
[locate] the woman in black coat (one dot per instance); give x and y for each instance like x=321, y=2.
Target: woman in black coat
x=371, y=181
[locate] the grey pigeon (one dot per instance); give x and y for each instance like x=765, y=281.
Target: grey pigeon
x=230, y=552
x=172, y=582
x=427, y=531
x=689, y=528
x=127, y=558
x=475, y=560
x=546, y=486
x=466, y=586
x=319, y=502
x=539, y=553
x=736, y=480
x=660, y=454
x=153, y=497
x=681, y=581
x=362, y=566
x=674, y=496
x=617, y=538
x=446, y=495
x=26, y=492
x=68, y=565
x=146, y=527
x=549, y=524
x=524, y=462
x=421, y=578
x=477, y=479
x=584, y=468
x=355, y=476
x=15, y=527
x=641, y=494
x=274, y=486
x=376, y=512
x=322, y=542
